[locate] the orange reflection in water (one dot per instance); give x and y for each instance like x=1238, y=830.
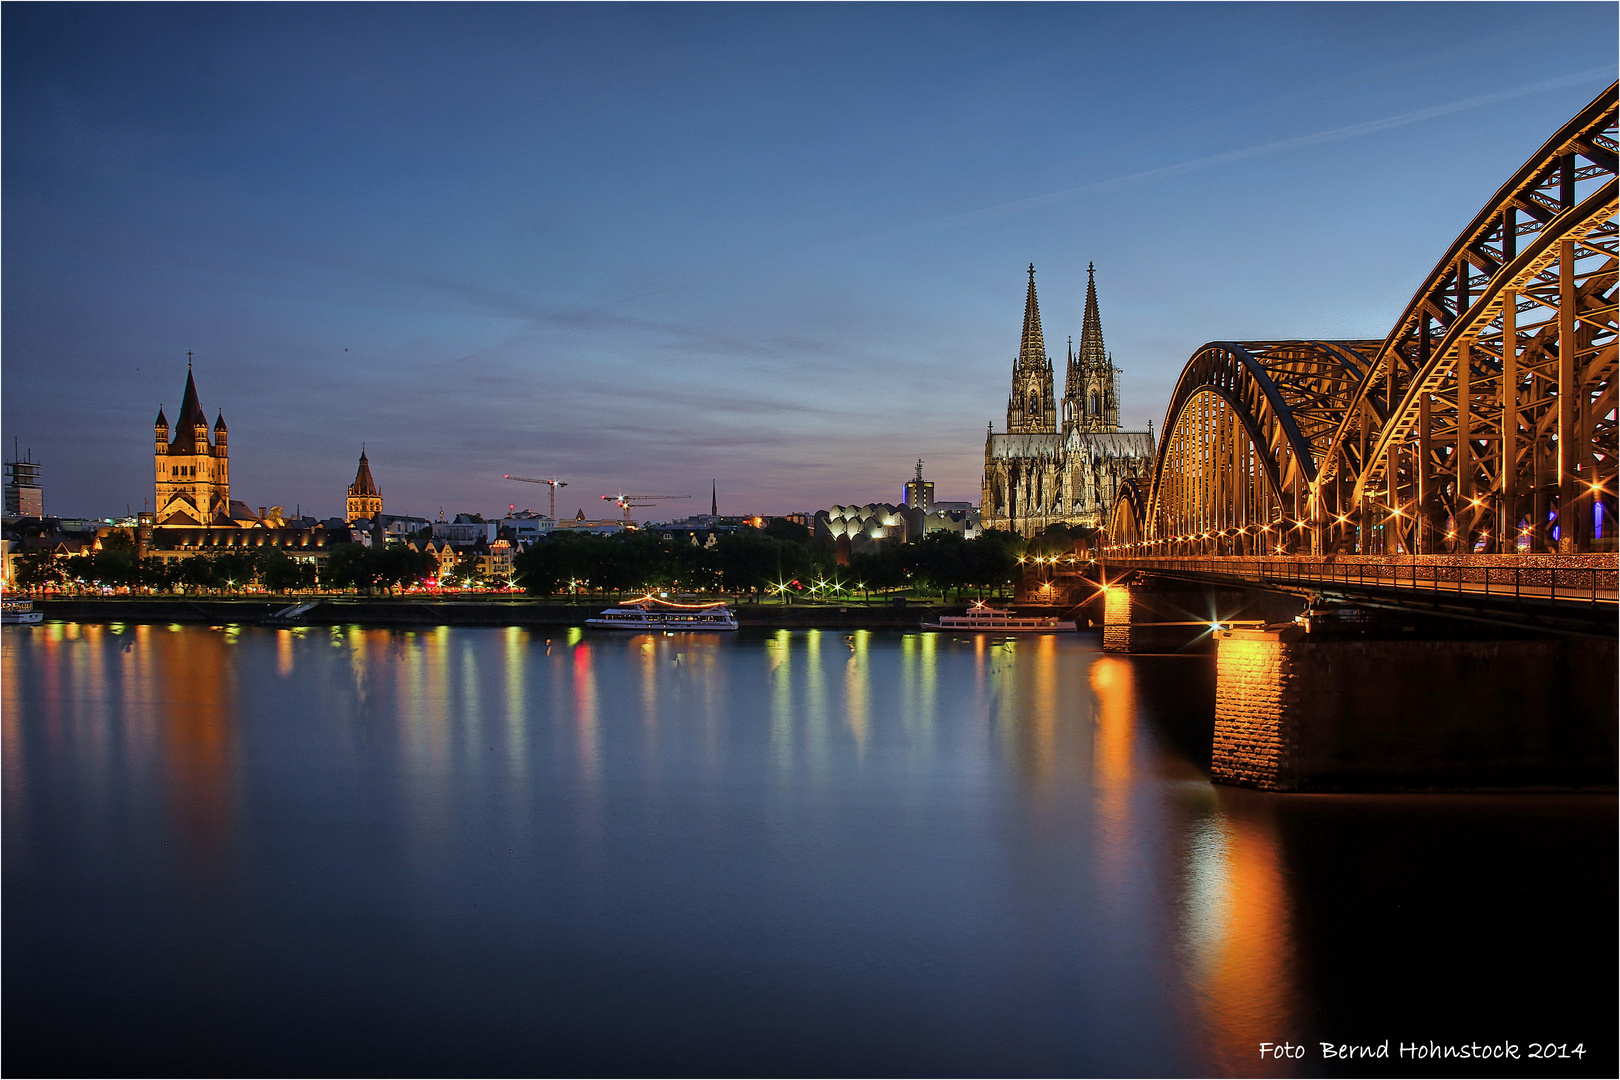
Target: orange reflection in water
x=1239, y=930
x=196, y=682
x=1113, y=771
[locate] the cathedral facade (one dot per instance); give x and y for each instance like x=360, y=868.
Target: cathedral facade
x=1060, y=463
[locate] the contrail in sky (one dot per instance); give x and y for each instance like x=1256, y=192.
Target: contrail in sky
x=1350, y=131
x=1366, y=127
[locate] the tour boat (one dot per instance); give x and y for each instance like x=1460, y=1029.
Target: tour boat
x=981, y=618
x=651, y=613
x=20, y=611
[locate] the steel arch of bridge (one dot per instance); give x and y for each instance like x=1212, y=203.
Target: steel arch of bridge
x=1486, y=419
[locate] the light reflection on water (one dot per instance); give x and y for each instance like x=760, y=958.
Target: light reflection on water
x=851, y=851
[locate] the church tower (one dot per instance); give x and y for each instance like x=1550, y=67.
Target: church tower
x=192, y=474
x=1091, y=389
x=365, y=500
x=1031, y=408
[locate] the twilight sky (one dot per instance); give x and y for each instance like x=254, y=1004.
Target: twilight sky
x=642, y=247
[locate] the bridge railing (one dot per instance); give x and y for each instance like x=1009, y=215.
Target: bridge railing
x=1590, y=580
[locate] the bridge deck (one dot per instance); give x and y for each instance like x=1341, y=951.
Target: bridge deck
x=1584, y=586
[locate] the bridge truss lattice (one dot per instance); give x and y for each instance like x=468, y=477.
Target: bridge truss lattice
x=1485, y=420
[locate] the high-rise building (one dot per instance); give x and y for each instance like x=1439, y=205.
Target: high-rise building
x=24, y=496
x=365, y=498
x=1060, y=466
x=919, y=494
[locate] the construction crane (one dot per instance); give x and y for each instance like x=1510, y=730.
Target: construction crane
x=626, y=502
x=555, y=484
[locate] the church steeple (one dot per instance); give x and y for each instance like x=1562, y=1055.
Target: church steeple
x=1032, y=408
x=364, y=497
x=191, y=427
x=1092, y=354
x=1091, y=390
x=1032, y=351
x=192, y=473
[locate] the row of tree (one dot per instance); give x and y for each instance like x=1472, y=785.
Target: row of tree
x=749, y=563
x=783, y=559
x=118, y=564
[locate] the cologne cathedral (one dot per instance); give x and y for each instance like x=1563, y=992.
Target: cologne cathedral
x=1061, y=465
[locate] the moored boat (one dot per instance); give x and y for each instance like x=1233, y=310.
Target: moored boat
x=20, y=611
x=651, y=613
x=981, y=618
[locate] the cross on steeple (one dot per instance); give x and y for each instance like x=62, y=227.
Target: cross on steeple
x=188, y=359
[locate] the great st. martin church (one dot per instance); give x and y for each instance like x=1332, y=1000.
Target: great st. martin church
x=1055, y=467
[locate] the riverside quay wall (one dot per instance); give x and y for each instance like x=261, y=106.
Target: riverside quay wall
x=406, y=611
x=1296, y=714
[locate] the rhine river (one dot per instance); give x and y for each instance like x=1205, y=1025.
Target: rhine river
x=505, y=851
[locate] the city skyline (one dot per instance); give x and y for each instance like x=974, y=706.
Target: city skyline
x=646, y=248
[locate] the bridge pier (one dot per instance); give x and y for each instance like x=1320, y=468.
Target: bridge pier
x=1300, y=712
x=1161, y=615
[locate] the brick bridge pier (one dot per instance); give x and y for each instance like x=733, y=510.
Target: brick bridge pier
x=1333, y=687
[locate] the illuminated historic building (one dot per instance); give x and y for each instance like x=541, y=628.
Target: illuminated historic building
x=195, y=513
x=193, y=473
x=1060, y=463
x=365, y=500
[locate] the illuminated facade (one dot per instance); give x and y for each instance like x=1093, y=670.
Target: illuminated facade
x=1060, y=464
x=195, y=513
x=919, y=492
x=857, y=529
x=365, y=498
x=193, y=473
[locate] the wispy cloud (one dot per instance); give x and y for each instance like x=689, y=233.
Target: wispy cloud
x=1315, y=138
x=1349, y=131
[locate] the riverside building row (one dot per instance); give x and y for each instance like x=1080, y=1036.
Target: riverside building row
x=194, y=513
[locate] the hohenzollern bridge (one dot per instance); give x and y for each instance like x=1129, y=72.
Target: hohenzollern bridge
x=1473, y=449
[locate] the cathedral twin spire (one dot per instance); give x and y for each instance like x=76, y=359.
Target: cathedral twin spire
x=1091, y=386
x=1092, y=354
x=1032, y=408
x=1033, y=350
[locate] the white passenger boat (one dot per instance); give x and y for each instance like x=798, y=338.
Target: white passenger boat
x=981, y=618
x=20, y=611
x=651, y=613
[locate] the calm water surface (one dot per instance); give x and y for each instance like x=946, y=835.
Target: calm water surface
x=472, y=851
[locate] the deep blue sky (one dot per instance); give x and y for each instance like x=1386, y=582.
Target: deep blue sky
x=782, y=247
